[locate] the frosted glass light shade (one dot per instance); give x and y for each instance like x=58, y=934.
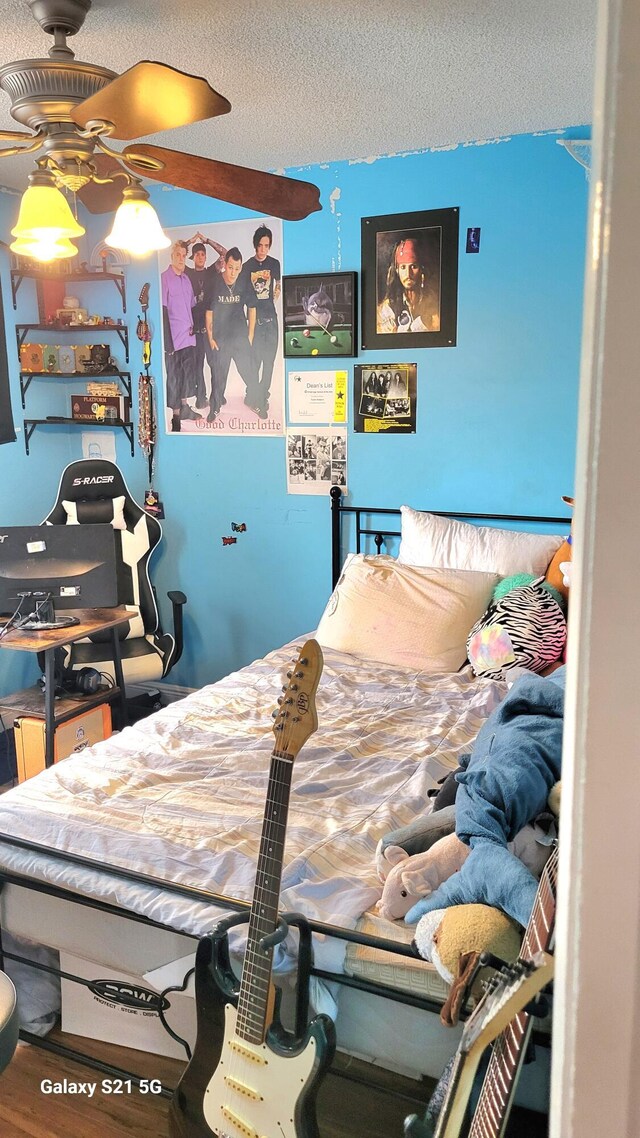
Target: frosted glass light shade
x=136, y=227
x=45, y=214
x=44, y=250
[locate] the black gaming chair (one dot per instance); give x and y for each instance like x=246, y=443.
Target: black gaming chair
x=93, y=490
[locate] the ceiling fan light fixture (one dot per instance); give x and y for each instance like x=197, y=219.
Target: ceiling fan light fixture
x=44, y=250
x=136, y=226
x=45, y=214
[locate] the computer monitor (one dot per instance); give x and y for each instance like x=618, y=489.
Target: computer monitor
x=47, y=568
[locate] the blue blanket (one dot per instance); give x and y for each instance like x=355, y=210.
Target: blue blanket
x=515, y=762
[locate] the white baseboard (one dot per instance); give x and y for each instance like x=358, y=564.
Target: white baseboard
x=170, y=692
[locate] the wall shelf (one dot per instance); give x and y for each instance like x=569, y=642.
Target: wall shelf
x=23, y=330
x=80, y=332
x=18, y=275
x=98, y=376
x=60, y=420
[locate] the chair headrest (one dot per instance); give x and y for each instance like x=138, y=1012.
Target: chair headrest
x=92, y=478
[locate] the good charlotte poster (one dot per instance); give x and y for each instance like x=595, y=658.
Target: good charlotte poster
x=384, y=398
x=223, y=367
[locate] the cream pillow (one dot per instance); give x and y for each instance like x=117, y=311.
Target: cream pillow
x=398, y=614
x=445, y=543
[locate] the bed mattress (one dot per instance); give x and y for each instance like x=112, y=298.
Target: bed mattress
x=180, y=795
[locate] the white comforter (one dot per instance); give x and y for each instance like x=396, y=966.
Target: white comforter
x=180, y=795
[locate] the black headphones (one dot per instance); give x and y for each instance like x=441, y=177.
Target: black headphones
x=84, y=680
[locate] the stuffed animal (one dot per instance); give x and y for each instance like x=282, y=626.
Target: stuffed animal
x=515, y=761
x=523, y=627
x=559, y=572
x=454, y=939
x=407, y=877
x=415, y=838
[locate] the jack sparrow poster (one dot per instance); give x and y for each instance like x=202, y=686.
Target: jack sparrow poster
x=385, y=398
x=223, y=366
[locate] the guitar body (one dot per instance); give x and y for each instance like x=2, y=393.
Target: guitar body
x=263, y=1090
x=285, y=1077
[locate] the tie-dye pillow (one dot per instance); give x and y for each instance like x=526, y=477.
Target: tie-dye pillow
x=525, y=628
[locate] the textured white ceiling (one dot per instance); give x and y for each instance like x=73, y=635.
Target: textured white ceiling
x=321, y=80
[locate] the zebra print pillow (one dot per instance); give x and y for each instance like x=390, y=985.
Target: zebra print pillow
x=526, y=628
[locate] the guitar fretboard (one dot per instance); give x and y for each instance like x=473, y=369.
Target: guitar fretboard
x=498, y=1087
x=253, y=1001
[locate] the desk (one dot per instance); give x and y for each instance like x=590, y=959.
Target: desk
x=44, y=705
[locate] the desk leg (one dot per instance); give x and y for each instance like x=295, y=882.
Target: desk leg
x=117, y=667
x=49, y=714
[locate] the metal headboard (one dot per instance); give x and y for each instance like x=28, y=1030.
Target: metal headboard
x=362, y=528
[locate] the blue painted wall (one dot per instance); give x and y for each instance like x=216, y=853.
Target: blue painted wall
x=496, y=415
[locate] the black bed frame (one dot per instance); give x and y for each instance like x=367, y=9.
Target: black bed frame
x=363, y=530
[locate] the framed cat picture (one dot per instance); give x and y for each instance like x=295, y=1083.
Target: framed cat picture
x=319, y=315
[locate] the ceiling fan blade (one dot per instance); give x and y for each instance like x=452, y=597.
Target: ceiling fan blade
x=150, y=97
x=254, y=189
x=103, y=197
x=14, y=135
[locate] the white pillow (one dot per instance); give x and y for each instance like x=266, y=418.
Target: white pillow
x=103, y=511
x=445, y=543
x=398, y=614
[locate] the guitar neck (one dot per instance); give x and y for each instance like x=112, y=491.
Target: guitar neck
x=458, y=1093
x=498, y=1087
x=254, y=1002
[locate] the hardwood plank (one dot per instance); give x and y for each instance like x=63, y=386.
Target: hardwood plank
x=346, y=1109
x=26, y=1111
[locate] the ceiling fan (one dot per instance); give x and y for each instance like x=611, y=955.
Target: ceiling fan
x=74, y=107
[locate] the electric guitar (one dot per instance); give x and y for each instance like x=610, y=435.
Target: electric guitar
x=248, y=1077
x=498, y=1088
x=500, y=1015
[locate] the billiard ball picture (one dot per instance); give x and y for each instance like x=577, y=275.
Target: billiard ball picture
x=319, y=315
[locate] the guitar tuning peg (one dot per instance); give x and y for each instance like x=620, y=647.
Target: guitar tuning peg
x=289, y=675
x=304, y=662
x=274, y=714
x=299, y=675
x=280, y=698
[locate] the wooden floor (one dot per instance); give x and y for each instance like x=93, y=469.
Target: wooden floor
x=346, y=1108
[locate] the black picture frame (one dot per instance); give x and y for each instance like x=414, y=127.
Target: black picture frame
x=333, y=332
x=388, y=320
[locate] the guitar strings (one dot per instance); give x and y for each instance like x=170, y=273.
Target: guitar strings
x=267, y=889
x=505, y=1051
x=273, y=836
x=269, y=835
x=240, y=1068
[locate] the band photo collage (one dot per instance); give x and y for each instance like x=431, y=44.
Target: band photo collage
x=231, y=318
